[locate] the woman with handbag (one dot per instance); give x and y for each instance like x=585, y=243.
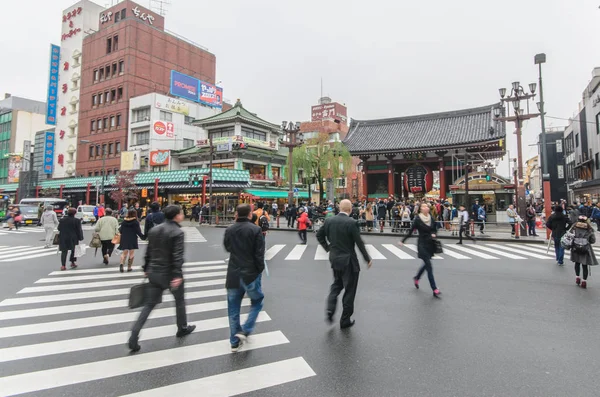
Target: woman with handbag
x=426, y=246
x=130, y=231
x=582, y=253
x=69, y=236
x=107, y=227
x=49, y=221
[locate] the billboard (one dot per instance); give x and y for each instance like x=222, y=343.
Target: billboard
x=159, y=157
x=48, y=152
x=130, y=160
x=52, y=97
x=329, y=111
x=163, y=129
x=15, y=165
x=174, y=105
x=191, y=88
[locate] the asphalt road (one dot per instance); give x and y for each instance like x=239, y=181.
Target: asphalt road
x=510, y=323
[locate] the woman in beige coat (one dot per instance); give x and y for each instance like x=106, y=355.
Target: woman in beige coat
x=107, y=227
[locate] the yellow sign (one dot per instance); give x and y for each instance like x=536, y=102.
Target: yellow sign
x=130, y=160
x=144, y=193
x=174, y=105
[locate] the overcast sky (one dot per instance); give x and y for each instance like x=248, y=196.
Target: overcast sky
x=382, y=58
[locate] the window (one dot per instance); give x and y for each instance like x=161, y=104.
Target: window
x=119, y=93
x=166, y=116
x=276, y=171
x=100, y=98
x=104, y=149
x=116, y=43
x=109, y=45
x=121, y=66
x=112, y=122
x=108, y=172
x=119, y=120
x=142, y=138
x=113, y=94
x=91, y=152
x=142, y=114
x=106, y=123
x=229, y=166
x=116, y=171
x=93, y=125
x=123, y=13
x=114, y=69
x=97, y=150
x=222, y=132
x=94, y=100
x=101, y=74
x=117, y=147
x=188, y=120
x=107, y=72
x=187, y=143
x=597, y=161
x=110, y=149
x=106, y=97
x=90, y=173
x=598, y=123
x=576, y=140
x=255, y=169
x=117, y=17
x=254, y=134
x=96, y=173
x=95, y=75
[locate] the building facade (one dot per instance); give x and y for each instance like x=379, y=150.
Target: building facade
x=555, y=149
x=159, y=124
x=130, y=55
x=77, y=22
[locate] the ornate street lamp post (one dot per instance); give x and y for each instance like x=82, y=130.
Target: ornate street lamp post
x=293, y=139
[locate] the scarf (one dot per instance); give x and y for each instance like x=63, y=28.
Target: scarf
x=425, y=218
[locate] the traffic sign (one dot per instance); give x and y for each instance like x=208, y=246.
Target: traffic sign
x=296, y=190
x=224, y=147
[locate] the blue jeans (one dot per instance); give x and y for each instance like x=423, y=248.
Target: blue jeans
x=559, y=251
x=234, y=303
x=427, y=267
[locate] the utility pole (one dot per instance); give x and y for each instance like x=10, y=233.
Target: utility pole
x=539, y=59
x=210, y=178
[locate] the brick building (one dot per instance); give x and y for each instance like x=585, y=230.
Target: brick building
x=130, y=55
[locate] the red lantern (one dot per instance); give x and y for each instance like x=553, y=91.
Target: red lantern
x=418, y=179
x=61, y=160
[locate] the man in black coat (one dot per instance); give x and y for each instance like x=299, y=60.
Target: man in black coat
x=338, y=236
x=163, y=265
x=154, y=218
x=246, y=244
x=293, y=214
x=559, y=223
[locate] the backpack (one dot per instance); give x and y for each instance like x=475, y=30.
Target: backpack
x=263, y=222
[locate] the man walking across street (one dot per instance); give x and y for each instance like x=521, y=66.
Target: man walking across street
x=559, y=223
x=163, y=265
x=339, y=235
x=246, y=245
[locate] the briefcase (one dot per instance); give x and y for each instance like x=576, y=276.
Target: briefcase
x=137, y=295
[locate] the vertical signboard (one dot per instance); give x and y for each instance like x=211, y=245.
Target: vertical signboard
x=15, y=164
x=52, y=98
x=48, y=152
x=211, y=95
x=130, y=160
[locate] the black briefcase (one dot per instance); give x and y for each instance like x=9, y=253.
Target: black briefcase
x=137, y=295
x=437, y=247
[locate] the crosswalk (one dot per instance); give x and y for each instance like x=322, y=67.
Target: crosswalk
x=191, y=234
x=23, y=230
x=68, y=331
x=489, y=251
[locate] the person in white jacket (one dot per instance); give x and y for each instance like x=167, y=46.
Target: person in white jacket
x=50, y=222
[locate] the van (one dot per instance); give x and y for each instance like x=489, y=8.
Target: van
x=86, y=213
x=57, y=204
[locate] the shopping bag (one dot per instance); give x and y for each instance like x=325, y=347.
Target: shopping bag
x=56, y=239
x=79, y=250
x=117, y=239
x=96, y=242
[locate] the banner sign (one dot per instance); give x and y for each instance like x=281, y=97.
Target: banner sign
x=130, y=160
x=174, y=105
x=159, y=157
x=191, y=88
x=164, y=128
x=418, y=179
x=52, y=97
x=48, y=152
x=237, y=138
x=15, y=165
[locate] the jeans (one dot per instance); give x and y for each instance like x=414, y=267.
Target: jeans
x=154, y=291
x=107, y=247
x=49, y=234
x=234, y=304
x=531, y=227
x=63, y=257
x=559, y=251
x=427, y=266
x=512, y=229
x=347, y=280
x=302, y=234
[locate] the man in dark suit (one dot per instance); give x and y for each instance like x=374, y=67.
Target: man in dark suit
x=338, y=236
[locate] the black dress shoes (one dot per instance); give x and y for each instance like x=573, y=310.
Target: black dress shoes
x=185, y=331
x=133, y=345
x=347, y=325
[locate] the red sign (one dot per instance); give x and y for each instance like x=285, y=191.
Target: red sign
x=159, y=127
x=329, y=111
x=71, y=33
x=159, y=157
x=418, y=178
x=71, y=14
x=170, y=130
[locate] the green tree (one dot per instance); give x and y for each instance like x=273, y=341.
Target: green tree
x=320, y=158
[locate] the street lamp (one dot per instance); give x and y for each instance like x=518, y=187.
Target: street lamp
x=294, y=138
x=85, y=141
x=515, y=97
x=539, y=59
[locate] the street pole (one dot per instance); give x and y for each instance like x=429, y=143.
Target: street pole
x=210, y=175
x=547, y=194
x=290, y=173
x=520, y=186
x=294, y=139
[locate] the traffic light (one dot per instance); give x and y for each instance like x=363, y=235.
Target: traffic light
x=195, y=179
x=238, y=146
x=488, y=178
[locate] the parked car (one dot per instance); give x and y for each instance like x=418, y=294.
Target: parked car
x=86, y=213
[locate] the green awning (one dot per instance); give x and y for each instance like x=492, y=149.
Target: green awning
x=274, y=194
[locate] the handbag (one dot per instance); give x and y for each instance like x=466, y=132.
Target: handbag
x=566, y=241
x=137, y=295
x=55, y=240
x=437, y=247
x=96, y=242
x=116, y=239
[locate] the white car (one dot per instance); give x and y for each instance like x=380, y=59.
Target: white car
x=85, y=213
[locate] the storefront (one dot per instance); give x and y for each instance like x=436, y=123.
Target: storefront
x=496, y=194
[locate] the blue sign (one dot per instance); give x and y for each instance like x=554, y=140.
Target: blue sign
x=295, y=190
x=49, y=152
x=52, y=99
x=191, y=88
x=184, y=86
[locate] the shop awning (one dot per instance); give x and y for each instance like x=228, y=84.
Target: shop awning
x=273, y=194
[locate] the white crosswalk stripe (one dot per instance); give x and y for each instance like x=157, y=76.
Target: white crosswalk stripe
x=24, y=252
x=191, y=235
x=28, y=331
x=488, y=251
x=24, y=230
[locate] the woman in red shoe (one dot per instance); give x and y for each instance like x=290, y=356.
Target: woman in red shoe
x=582, y=252
x=426, y=225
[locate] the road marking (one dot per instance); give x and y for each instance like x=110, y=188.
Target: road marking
x=416, y=249
x=246, y=380
x=274, y=250
x=473, y=252
x=498, y=252
x=373, y=252
x=526, y=252
x=109, y=269
x=453, y=254
x=117, y=274
x=13, y=248
x=84, y=307
x=75, y=374
x=397, y=251
x=321, y=254
x=66, y=325
x=110, y=283
x=296, y=253
x=112, y=339
x=540, y=250
x=21, y=252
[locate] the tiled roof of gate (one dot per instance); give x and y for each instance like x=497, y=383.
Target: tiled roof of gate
x=236, y=113
x=456, y=128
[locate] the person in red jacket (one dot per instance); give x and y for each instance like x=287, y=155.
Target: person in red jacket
x=303, y=223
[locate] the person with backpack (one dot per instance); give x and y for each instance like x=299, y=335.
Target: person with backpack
x=558, y=223
x=262, y=218
x=530, y=214
x=582, y=253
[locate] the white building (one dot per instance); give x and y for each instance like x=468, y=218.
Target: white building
x=159, y=124
x=77, y=21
